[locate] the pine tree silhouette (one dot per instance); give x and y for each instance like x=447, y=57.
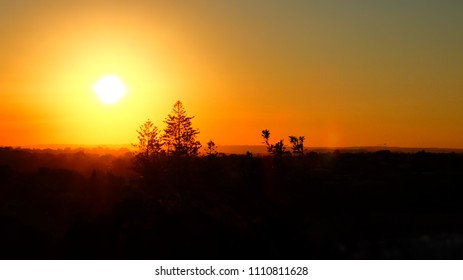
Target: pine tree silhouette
x=180, y=136
x=149, y=145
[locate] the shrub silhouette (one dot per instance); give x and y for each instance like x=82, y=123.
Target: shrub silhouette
x=211, y=149
x=298, y=144
x=277, y=149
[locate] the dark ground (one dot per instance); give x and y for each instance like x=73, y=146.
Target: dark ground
x=379, y=205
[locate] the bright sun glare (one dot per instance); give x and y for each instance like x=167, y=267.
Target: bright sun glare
x=109, y=89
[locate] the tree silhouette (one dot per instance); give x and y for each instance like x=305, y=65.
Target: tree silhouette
x=179, y=136
x=211, y=149
x=266, y=135
x=277, y=149
x=298, y=144
x=149, y=144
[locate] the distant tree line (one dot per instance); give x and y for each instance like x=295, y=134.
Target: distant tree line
x=179, y=139
x=70, y=204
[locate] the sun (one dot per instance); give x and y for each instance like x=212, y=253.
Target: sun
x=109, y=89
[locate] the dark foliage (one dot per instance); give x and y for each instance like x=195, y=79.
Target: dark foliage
x=149, y=146
x=324, y=206
x=278, y=149
x=179, y=135
x=211, y=149
x=297, y=144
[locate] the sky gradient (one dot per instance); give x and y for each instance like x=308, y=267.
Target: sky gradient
x=341, y=73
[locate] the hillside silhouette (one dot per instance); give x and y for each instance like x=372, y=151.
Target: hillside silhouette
x=183, y=202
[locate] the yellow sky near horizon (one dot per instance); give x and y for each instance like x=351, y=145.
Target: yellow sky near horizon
x=343, y=74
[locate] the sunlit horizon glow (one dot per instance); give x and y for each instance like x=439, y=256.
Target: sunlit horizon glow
x=341, y=73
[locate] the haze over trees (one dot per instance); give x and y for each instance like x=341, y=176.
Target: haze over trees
x=168, y=201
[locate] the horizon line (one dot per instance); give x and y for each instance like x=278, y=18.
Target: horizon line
x=130, y=147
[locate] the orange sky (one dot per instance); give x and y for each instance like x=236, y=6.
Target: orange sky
x=342, y=74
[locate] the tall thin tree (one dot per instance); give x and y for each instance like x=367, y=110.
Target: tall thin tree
x=179, y=135
x=149, y=145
